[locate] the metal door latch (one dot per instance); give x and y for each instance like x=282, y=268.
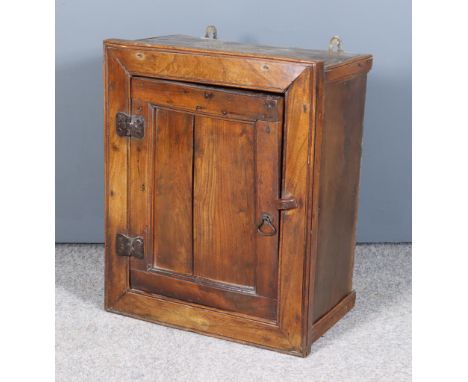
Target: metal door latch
x=286, y=203
x=130, y=246
x=130, y=125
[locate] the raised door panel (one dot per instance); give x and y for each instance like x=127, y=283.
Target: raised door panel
x=224, y=201
x=172, y=198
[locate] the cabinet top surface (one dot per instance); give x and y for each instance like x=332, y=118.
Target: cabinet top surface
x=196, y=44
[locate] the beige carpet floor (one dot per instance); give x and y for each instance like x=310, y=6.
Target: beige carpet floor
x=372, y=343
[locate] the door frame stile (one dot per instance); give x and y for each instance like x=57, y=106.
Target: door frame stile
x=116, y=187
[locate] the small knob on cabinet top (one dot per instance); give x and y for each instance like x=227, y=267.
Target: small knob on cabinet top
x=211, y=32
x=335, y=45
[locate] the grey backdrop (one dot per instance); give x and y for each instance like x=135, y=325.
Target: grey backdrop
x=382, y=28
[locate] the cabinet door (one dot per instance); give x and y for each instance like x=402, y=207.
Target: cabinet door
x=203, y=192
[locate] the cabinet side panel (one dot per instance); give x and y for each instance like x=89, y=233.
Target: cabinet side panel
x=338, y=194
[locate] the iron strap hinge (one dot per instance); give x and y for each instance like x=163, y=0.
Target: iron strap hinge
x=130, y=246
x=130, y=125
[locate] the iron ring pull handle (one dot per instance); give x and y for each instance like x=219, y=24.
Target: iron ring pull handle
x=267, y=221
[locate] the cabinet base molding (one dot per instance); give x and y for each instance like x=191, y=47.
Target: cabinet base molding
x=318, y=329
x=332, y=317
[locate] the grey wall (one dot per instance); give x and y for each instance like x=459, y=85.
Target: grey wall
x=382, y=28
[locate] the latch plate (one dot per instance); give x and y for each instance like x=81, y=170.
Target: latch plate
x=286, y=203
x=130, y=246
x=130, y=125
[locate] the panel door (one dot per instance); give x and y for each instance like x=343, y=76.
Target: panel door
x=204, y=184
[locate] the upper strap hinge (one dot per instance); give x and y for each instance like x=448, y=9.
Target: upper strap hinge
x=130, y=125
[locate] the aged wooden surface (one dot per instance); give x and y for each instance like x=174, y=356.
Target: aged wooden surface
x=338, y=195
x=195, y=44
x=224, y=207
x=209, y=100
x=196, y=291
x=138, y=181
x=116, y=98
x=268, y=140
x=332, y=316
x=348, y=69
x=313, y=211
x=296, y=153
x=213, y=161
x=238, y=72
x=172, y=200
x=195, y=317
x=212, y=176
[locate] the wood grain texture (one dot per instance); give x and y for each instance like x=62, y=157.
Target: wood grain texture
x=172, y=200
x=348, y=69
x=317, y=116
x=192, y=290
x=139, y=181
x=332, y=316
x=229, y=48
x=210, y=100
x=293, y=239
x=241, y=160
x=268, y=136
x=116, y=98
x=204, y=320
x=239, y=72
x=338, y=196
x=224, y=202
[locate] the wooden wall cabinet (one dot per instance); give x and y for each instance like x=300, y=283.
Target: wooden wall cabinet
x=232, y=178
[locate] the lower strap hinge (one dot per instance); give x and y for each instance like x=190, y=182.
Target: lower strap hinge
x=130, y=246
